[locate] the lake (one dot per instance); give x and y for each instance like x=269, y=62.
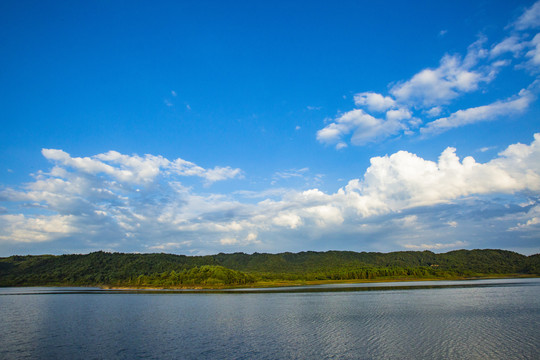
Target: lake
x=477, y=319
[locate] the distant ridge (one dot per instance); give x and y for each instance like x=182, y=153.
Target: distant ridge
x=124, y=269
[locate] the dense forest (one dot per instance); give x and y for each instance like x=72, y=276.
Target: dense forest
x=239, y=269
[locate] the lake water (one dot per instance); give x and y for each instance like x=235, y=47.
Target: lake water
x=484, y=319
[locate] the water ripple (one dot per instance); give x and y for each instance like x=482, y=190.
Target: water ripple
x=464, y=322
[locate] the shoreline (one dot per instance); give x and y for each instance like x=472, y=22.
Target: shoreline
x=286, y=283
x=276, y=284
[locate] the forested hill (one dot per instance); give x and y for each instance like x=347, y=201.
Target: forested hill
x=101, y=268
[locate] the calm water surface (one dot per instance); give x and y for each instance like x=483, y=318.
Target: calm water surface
x=488, y=319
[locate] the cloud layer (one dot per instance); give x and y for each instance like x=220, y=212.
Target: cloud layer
x=123, y=202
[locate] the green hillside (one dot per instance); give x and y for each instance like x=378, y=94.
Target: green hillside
x=118, y=269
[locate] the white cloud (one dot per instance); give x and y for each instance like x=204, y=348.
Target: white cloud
x=228, y=241
x=363, y=127
x=398, y=115
x=404, y=180
x=374, y=102
x=21, y=228
x=432, y=87
x=409, y=221
x=302, y=176
x=529, y=223
x=486, y=148
x=518, y=43
x=530, y=19
x=434, y=111
x=331, y=133
x=252, y=238
x=453, y=77
x=530, y=220
x=452, y=224
x=534, y=53
x=287, y=219
x=513, y=44
x=137, y=169
x=325, y=215
x=221, y=173
x=515, y=105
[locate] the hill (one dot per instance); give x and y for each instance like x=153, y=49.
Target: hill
x=168, y=270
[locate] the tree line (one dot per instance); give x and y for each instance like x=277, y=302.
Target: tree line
x=168, y=270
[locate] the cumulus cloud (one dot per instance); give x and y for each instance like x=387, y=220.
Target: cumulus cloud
x=405, y=180
x=398, y=115
x=363, y=127
x=374, y=101
x=432, y=87
x=287, y=219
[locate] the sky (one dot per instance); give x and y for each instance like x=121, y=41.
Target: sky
x=200, y=127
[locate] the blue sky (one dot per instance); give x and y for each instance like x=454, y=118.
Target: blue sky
x=200, y=127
